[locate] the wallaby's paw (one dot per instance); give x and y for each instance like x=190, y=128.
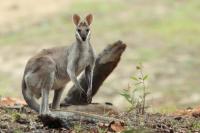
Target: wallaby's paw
x=89, y=97
x=82, y=91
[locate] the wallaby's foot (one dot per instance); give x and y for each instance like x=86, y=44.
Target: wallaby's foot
x=64, y=104
x=44, y=109
x=57, y=107
x=56, y=99
x=45, y=112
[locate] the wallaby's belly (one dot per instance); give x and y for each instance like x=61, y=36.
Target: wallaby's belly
x=35, y=82
x=59, y=83
x=83, y=62
x=60, y=80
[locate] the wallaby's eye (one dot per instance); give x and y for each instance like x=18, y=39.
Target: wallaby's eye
x=87, y=30
x=79, y=30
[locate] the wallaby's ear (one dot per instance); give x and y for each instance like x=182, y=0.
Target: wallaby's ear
x=76, y=19
x=89, y=19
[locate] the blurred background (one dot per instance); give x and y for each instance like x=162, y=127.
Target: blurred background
x=162, y=34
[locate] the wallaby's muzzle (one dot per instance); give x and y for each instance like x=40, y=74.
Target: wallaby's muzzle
x=83, y=38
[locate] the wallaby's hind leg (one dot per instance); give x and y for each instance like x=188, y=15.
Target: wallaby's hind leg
x=40, y=80
x=56, y=98
x=47, y=84
x=44, y=108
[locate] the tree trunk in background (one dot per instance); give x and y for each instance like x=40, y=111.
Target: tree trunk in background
x=105, y=63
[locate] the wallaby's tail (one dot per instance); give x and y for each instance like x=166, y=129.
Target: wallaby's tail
x=29, y=99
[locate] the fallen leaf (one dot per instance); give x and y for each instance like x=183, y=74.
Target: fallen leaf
x=8, y=101
x=116, y=126
x=195, y=112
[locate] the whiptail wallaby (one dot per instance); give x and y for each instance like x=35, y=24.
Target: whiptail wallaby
x=52, y=69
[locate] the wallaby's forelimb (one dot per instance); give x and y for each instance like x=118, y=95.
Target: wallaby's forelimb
x=72, y=76
x=105, y=63
x=89, y=78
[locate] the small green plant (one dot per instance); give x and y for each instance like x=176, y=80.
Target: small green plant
x=16, y=116
x=77, y=128
x=101, y=130
x=195, y=125
x=136, y=96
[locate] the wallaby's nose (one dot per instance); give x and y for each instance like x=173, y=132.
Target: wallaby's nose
x=83, y=38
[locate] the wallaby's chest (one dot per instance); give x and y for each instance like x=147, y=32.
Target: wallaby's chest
x=84, y=58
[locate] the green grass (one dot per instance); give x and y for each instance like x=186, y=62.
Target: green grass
x=47, y=30
x=196, y=125
x=99, y=6
x=179, y=22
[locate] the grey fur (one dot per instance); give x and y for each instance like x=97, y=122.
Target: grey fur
x=52, y=69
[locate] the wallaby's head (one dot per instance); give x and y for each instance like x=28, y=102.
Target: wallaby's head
x=82, y=27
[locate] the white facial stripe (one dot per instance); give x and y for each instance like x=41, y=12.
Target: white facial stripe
x=88, y=35
x=78, y=35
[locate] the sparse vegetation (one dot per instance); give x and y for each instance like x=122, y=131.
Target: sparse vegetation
x=163, y=34
x=16, y=116
x=136, y=95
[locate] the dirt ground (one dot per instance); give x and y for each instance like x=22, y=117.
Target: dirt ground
x=24, y=120
x=17, y=117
